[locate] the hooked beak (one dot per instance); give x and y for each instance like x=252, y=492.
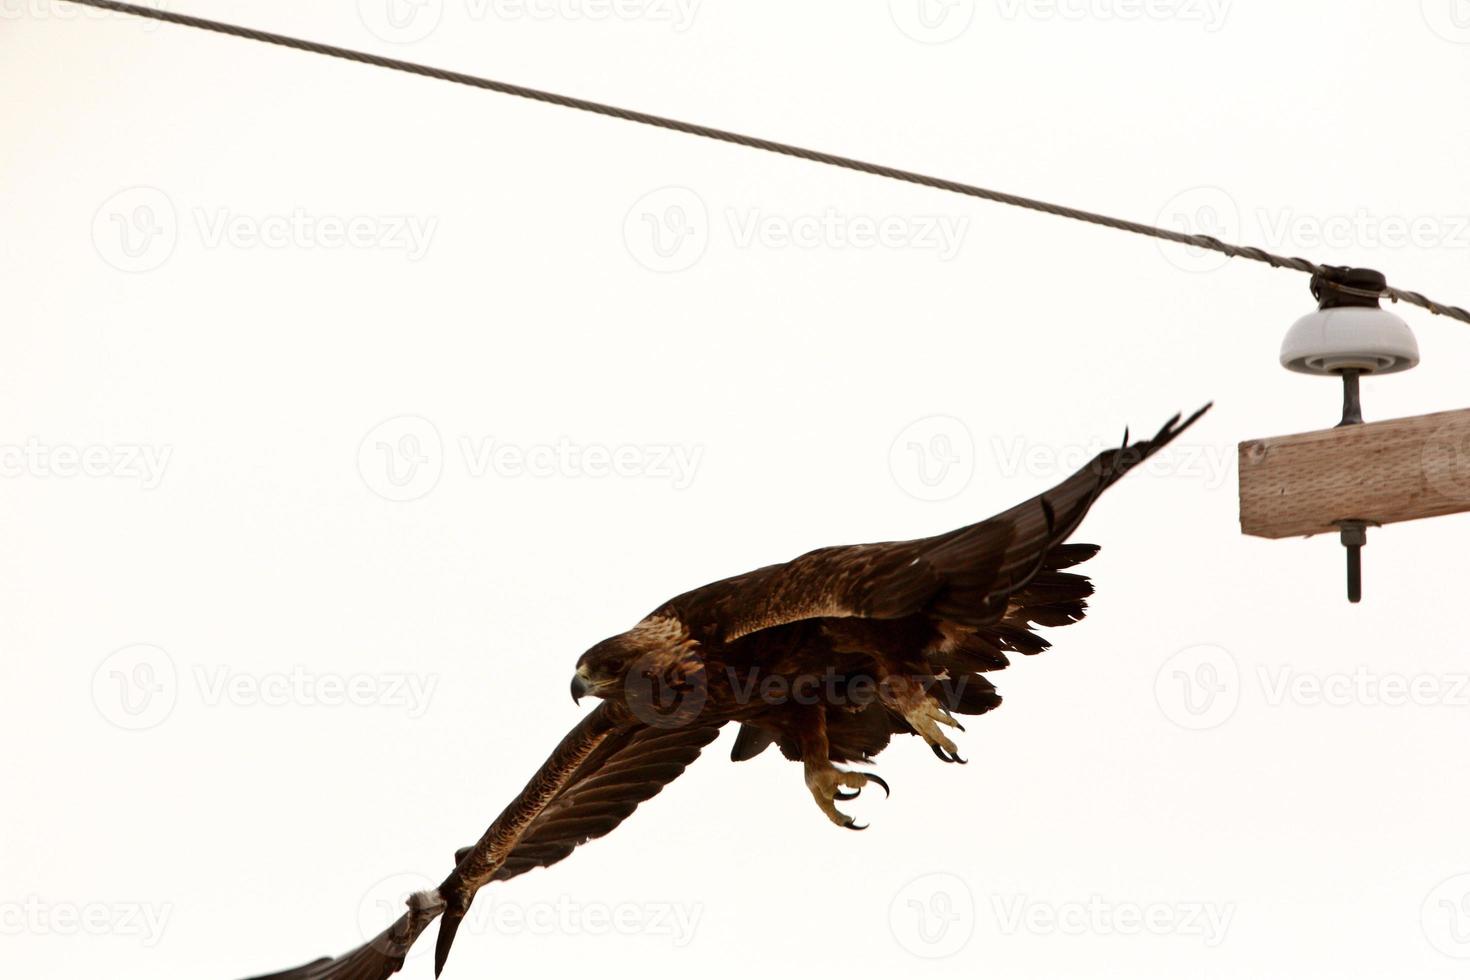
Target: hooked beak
x=580, y=688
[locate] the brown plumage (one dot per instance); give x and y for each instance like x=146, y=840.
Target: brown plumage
x=826, y=656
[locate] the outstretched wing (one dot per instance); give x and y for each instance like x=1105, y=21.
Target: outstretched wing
x=964, y=576
x=604, y=792
x=596, y=777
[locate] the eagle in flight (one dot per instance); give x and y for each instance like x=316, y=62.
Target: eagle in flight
x=826, y=656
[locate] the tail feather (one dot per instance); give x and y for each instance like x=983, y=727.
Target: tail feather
x=998, y=557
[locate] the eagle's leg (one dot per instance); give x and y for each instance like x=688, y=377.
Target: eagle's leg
x=909, y=697
x=827, y=783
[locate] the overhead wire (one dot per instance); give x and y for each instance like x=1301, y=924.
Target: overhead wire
x=1206, y=242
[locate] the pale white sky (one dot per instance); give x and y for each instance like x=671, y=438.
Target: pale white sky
x=341, y=410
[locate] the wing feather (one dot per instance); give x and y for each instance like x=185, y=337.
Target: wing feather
x=964, y=576
x=595, y=778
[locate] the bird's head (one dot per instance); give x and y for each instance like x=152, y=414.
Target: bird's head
x=656, y=647
x=600, y=671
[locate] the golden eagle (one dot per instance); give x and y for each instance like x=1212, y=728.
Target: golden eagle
x=826, y=656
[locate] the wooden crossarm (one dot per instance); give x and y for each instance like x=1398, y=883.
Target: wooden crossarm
x=1381, y=472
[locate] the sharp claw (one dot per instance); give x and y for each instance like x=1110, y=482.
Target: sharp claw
x=831, y=785
x=947, y=757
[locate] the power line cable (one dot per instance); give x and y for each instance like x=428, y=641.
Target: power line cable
x=785, y=149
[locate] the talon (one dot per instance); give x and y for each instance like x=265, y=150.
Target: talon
x=867, y=777
x=925, y=716
x=830, y=785
x=947, y=756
